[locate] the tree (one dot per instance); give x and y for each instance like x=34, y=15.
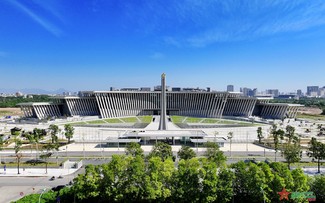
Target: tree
x=86, y=186
x=69, y=131
x=290, y=133
x=54, y=130
x=316, y=150
x=249, y=179
x=300, y=180
x=214, y=154
x=159, y=180
x=186, y=153
x=162, y=150
x=230, y=136
x=317, y=186
x=114, y=179
x=225, y=190
x=48, y=153
x=259, y=134
x=37, y=133
x=134, y=187
x=1, y=142
x=30, y=137
x=134, y=149
x=277, y=134
x=187, y=181
x=292, y=153
x=18, y=154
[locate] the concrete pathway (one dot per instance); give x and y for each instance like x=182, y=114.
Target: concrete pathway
x=153, y=125
x=12, y=172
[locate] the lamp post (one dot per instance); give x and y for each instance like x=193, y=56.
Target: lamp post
x=39, y=199
x=230, y=135
x=83, y=142
x=215, y=136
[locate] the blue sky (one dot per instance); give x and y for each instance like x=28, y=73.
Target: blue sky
x=95, y=44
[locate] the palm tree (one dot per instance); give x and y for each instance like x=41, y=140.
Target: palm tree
x=54, y=130
x=259, y=134
x=48, y=153
x=276, y=135
x=316, y=150
x=290, y=133
x=17, y=148
x=69, y=130
x=230, y=136
x=30, y=138
x=36, y=135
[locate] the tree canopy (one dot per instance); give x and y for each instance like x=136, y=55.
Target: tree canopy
x=186, y=152
x=162, y=150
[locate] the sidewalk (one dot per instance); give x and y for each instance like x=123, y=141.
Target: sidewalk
x=32, y=172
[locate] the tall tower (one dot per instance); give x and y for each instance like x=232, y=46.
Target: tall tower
x=163, y=105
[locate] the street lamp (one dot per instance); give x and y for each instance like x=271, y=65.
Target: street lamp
x=215, y=136
x=230, y=135
x=83, y=142
x=39, y=199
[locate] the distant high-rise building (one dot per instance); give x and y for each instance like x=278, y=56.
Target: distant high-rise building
x=145, y=89
x=176, y=89
x=321, y=92
x=273, y=92
x=230, y=88
x=208, y=89
x=130, y=89
x=248, y=92
x=312, y=91
x=299, y=93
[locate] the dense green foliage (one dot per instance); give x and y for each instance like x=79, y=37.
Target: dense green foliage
x=318, y=187
x=134, y=149
x=135, y=179
x=186, y=152
x=309, y=102
x=162, y=150
x=13, y=101
x=213, y=154
x=157, y=178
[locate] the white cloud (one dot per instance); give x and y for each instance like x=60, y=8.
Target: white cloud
x=218, y=21
x=38, y=19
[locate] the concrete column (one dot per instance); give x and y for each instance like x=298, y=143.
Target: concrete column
x=99, y=104
x=163, y=117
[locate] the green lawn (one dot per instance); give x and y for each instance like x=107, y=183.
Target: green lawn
x=113, y=120
x=96, y=122
x=130, y=120
x=145, y=119
x=78, y=123
x=180, y=119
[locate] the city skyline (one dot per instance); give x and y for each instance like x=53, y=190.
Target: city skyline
x=94, y=45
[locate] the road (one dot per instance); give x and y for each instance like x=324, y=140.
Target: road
x=17, y=187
